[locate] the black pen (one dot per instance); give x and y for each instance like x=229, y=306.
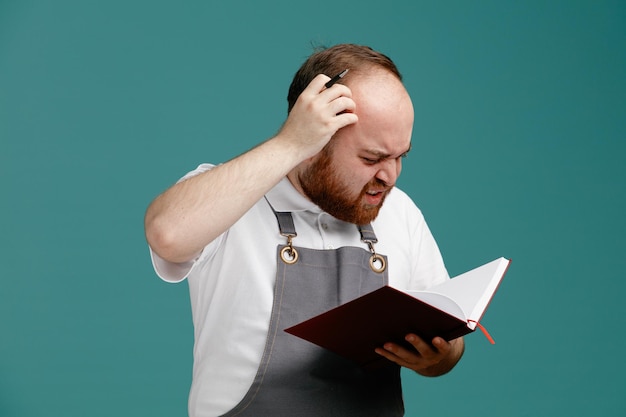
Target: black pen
x=336, y=78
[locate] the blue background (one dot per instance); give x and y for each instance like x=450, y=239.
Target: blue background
x=518, y=152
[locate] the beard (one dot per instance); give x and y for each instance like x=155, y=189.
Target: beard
x=322, y=186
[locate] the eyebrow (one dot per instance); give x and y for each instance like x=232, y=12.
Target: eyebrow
x=384, y=155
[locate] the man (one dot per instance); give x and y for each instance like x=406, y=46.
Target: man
x=285, y=231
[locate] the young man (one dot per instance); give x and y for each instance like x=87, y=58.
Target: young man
x=286, y=231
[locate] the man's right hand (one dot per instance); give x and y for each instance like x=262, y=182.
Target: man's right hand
x=317, y=115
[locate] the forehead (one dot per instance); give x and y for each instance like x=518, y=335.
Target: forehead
x=385, y=113
x=376, y=82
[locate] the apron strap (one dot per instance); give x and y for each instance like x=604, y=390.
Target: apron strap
x=289, y=254
x=287, y=228
x=367, y=233
x=377, y=262
x=285, y=221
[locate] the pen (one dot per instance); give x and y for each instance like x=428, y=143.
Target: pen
x=336, y=78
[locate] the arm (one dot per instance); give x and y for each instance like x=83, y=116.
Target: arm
x=184, y=219
x=428, y=360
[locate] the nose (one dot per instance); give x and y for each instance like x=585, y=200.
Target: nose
x=389, y=171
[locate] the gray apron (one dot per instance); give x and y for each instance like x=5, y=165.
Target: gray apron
x=299, y=379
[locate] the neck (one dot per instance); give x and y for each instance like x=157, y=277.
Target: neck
x=293, y=177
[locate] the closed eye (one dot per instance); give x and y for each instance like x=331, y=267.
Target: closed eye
x=370, y=161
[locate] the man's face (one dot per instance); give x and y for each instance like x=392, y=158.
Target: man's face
x=352, y=176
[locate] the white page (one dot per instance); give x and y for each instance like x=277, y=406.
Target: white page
x=473, y=290
x=439, y=301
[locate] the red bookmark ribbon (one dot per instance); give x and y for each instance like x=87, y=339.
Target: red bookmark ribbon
x=485, y=332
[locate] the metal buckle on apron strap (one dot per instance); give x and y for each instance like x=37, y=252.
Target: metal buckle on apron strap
x=289, y=254
x=377, y=262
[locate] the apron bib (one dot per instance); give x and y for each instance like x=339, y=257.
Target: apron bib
x=299, y=379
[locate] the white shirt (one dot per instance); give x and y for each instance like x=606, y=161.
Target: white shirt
x=231, y=282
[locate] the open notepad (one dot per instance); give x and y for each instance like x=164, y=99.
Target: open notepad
x=448, y=310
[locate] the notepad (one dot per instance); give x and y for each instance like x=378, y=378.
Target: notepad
x=448, y=310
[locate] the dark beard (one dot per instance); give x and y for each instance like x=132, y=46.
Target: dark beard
x=322, y=186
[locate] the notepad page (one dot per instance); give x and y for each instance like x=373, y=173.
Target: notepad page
x=473, y=290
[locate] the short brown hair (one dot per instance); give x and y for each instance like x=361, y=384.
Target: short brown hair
x=331, y=61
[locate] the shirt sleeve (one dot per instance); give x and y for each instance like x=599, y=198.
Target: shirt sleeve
x=428, y=264
x=171, y=271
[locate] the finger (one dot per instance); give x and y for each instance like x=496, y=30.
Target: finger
x=318, y=84
x=438, y=346
x=339, y=91
x=419, y=344
x=336, y=78
x=402, y=356
x=402, y=352
x=342, y=105
x=442, y=345
x=345, y=119
x=335, y=100
x=389, y=351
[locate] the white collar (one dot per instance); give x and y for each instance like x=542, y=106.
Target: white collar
x=284, y=197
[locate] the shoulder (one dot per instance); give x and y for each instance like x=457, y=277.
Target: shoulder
x=400, y=220
x=399, y=208
x=414, y=258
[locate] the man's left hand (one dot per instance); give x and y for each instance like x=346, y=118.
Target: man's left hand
x=428, y=359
